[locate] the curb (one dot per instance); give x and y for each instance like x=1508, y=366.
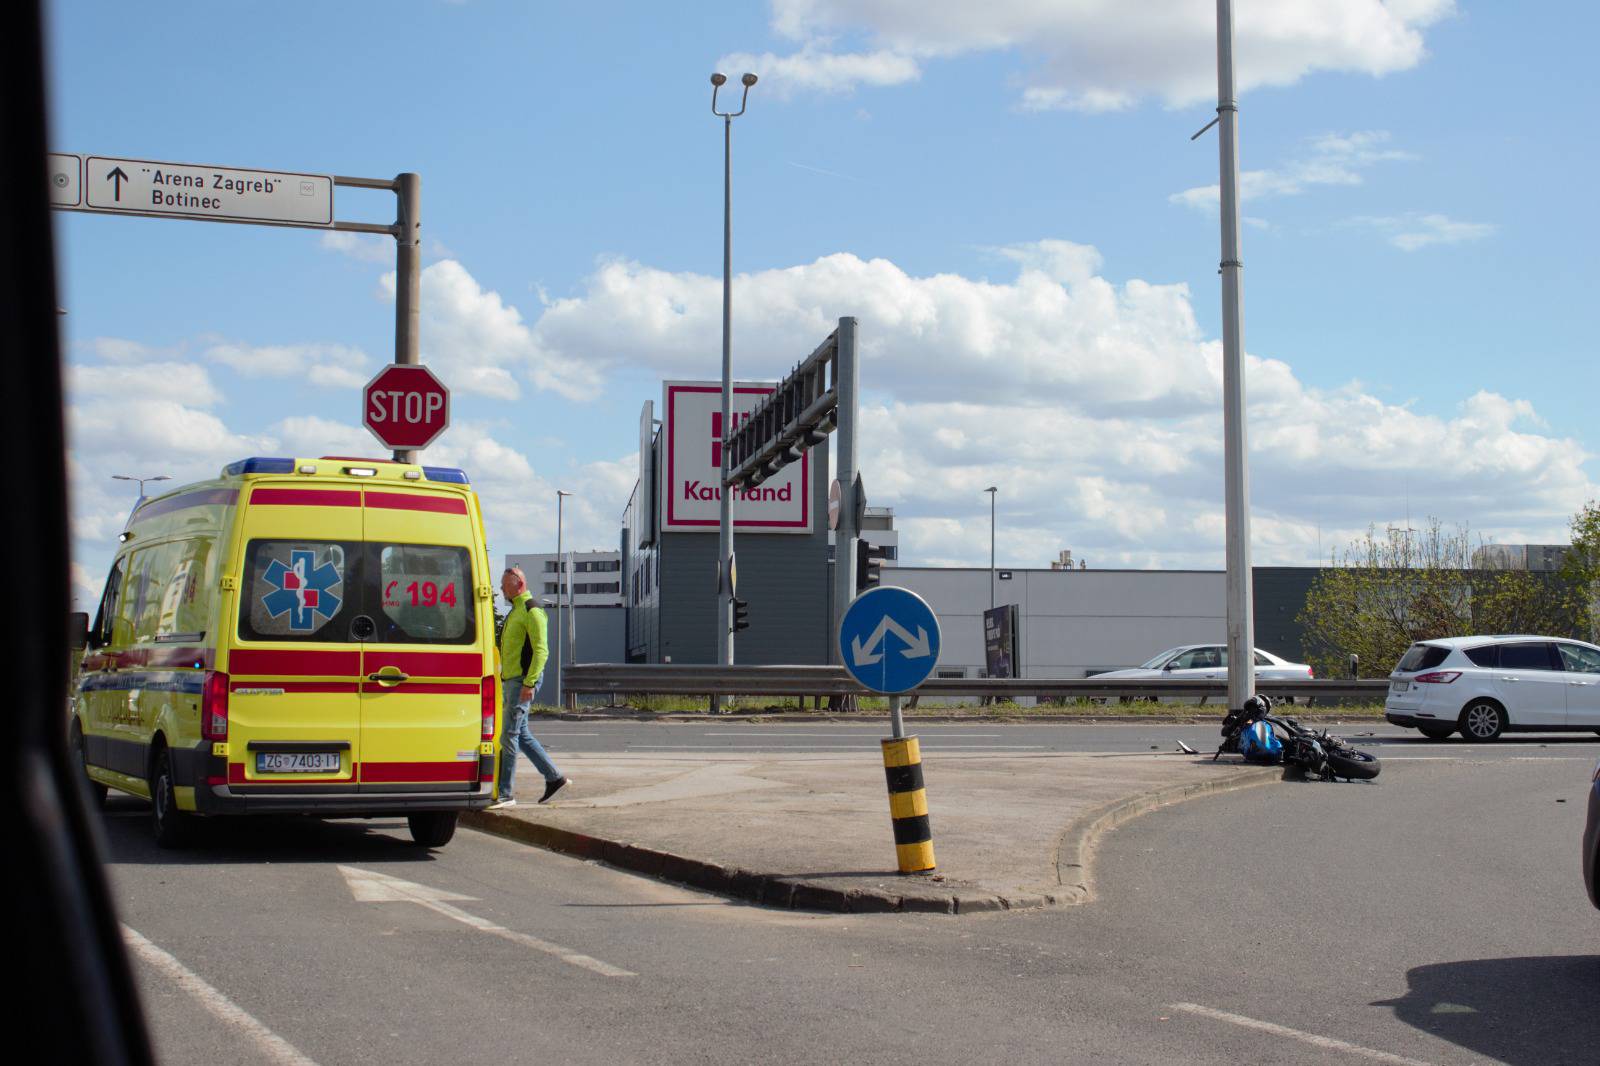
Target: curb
x=1076, y=850
x=776, y=890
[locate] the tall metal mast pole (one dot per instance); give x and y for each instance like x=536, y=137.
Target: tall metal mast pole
x=725, y=501
x=1241, y=623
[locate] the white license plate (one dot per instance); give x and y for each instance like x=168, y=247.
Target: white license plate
x=1399, y=686
x=297, y=762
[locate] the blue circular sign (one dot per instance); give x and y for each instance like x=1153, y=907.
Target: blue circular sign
x=889, y=639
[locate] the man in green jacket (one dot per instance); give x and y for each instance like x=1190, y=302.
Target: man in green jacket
x=523, y=651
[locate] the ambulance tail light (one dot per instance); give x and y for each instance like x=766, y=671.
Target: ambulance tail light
x=486, y=695
x=214, y=706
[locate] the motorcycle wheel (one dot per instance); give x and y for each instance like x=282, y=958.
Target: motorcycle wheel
x=1352, y=764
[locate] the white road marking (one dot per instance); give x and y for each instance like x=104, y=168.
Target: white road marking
x=274, y=1047
x=368, y=886
x=1326, y=1042
x=802, y=748
x=862, y=733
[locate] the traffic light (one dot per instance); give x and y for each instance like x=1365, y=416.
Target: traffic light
x=741, y=614
x=869, y=563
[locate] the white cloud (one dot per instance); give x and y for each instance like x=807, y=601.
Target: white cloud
x=1095, y=404
x=1091, y=55
x=327, y=365
x=362, y=247
x=1332, y=159
x=1415, y=231
x=122, y=350
x=813, y=69
x=185, y=382
x=476, y=341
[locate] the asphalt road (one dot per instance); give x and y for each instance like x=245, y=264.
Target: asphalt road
x=1435, y=916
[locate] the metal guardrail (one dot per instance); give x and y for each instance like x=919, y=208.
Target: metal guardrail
x=625, y=679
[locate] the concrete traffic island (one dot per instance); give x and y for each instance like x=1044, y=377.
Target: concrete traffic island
x=813, y=831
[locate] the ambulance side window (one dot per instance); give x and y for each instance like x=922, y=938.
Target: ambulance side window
x=100, y=633
x=186, y=600
x=294, y=589
x=148, y=580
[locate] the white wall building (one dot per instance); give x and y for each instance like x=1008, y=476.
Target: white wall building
x=596, y=576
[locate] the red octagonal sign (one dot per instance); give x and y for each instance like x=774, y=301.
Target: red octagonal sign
x=406, y=407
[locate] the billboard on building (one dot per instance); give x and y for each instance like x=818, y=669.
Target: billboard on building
x=1000, y=641
x=691, y=480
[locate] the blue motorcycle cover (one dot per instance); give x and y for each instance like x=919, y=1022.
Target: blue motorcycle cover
x=1259, y=744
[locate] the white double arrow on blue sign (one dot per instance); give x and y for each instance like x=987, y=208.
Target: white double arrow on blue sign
x=916, y=647
x=869, y=630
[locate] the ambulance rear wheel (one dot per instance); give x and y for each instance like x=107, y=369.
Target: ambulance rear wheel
x=171, y=825
x=432, y=829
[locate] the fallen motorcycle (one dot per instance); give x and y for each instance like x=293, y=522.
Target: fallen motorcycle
x=1266, y=738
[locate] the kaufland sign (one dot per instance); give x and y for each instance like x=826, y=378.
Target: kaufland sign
x=691, y=490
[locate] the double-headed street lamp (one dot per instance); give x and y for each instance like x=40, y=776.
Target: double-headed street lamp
x=725, y=504
x=141, y=480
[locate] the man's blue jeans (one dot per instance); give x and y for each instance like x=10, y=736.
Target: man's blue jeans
x=515, y=736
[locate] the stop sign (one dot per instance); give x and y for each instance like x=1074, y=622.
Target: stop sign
x=406, y=407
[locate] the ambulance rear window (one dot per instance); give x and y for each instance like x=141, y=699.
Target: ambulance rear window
x=294, y=588
x=426, y=593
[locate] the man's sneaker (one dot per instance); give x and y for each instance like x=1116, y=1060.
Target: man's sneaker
x=509, y=801
x=552, y=787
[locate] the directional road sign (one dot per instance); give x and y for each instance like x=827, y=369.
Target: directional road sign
x=191, y=190
x=406, y=407
x=889, y=639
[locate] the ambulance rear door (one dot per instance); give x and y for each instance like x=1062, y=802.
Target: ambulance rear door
x=424, y=667
x=294, y=664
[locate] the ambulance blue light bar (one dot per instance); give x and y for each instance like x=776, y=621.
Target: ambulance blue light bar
x=445, y=473
x=257, y=464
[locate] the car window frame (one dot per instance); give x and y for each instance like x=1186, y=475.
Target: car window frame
x=1554, y=657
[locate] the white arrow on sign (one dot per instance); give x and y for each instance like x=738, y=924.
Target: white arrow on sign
x=916, y=647
x=368, y=886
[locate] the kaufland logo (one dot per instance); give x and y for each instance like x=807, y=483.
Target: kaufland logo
x=699, y=490
x=693, y=434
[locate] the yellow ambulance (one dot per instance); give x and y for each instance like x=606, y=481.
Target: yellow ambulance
x=297, y=636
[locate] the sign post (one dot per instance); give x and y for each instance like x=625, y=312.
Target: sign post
x=151, y=188
x=889, y=641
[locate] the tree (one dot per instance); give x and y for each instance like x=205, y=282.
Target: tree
x=1582, y=566
x=1386, y=592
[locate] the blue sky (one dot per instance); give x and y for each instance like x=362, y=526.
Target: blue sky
x=1004, y=194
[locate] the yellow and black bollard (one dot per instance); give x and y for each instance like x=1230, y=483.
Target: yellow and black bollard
x=908, y=804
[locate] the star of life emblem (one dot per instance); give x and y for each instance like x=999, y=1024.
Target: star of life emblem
x=303, y=589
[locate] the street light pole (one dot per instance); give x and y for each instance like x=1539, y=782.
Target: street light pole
x=991, y=490
x=1241, y=623
x=563, y=586
x=725, y=495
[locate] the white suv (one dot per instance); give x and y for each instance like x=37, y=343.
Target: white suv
x=1485, y=686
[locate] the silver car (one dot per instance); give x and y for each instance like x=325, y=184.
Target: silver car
x=1209, y=661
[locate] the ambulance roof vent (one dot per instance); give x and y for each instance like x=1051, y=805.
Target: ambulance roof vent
x=445, y=473
x=257, y=464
